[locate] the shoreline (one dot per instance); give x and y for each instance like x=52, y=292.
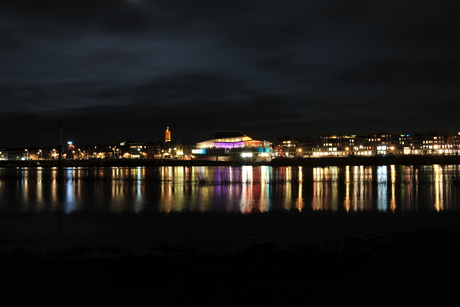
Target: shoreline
x=277, y=162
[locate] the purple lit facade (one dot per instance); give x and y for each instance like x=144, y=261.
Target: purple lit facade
x=233, y=146
x=229, y=144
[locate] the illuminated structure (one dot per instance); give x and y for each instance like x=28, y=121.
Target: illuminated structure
x=233, y=146
x=381, y=144
x=3, y=154
x=167, y=135
x=237, y=146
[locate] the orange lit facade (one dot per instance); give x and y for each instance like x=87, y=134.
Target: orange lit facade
x=167, y=135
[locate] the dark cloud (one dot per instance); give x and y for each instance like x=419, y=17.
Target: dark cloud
x=114, y=70
x=63, y=9
x=405, y=72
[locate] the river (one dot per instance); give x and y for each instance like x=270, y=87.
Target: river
x=233, y=189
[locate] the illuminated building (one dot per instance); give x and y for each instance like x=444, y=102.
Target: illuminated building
x=233, y=146
x=177, y=150
x=237, y=146
x=167, y=135
x=288, y=146
x=381, y=144
x=3, y=154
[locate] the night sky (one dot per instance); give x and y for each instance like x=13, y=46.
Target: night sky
x=112, y=71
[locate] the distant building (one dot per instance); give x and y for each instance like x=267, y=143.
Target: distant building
x=167, y=135
x=177, y=150
x=233, y=146
x=17, y=154
x=3, y=154
x=289, y=146
x=239, y=147
x=380, y=144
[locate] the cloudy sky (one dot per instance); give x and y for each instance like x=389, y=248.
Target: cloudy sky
x=118, y=70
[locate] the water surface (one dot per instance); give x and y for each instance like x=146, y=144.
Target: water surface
x=246, y=189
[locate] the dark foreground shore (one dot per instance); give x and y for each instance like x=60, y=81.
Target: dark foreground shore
x=289, y=259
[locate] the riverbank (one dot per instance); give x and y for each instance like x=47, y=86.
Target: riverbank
x=325, y=161
x=376, y=160
x=230, y=259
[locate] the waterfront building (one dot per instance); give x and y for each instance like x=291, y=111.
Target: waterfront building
x=3, y=154
x=381, y=144
x=179, y=150
x=136, y=151
x=42, y=153
x=239, y=147
x=16, y=154
x=157, y=149
x=233, y=146
x=290, y=146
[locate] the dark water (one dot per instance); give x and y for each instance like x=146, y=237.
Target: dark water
x=244, y=189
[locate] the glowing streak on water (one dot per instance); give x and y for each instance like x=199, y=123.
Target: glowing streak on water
x=247, y=189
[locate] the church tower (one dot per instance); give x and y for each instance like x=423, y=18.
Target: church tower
x=167, y=135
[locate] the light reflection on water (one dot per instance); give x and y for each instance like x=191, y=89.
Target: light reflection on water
x=393, y=188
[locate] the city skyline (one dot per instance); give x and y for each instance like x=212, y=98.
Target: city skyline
x=168, y=137
x=115, y=70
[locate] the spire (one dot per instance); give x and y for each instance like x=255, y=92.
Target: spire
x=167, y=135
